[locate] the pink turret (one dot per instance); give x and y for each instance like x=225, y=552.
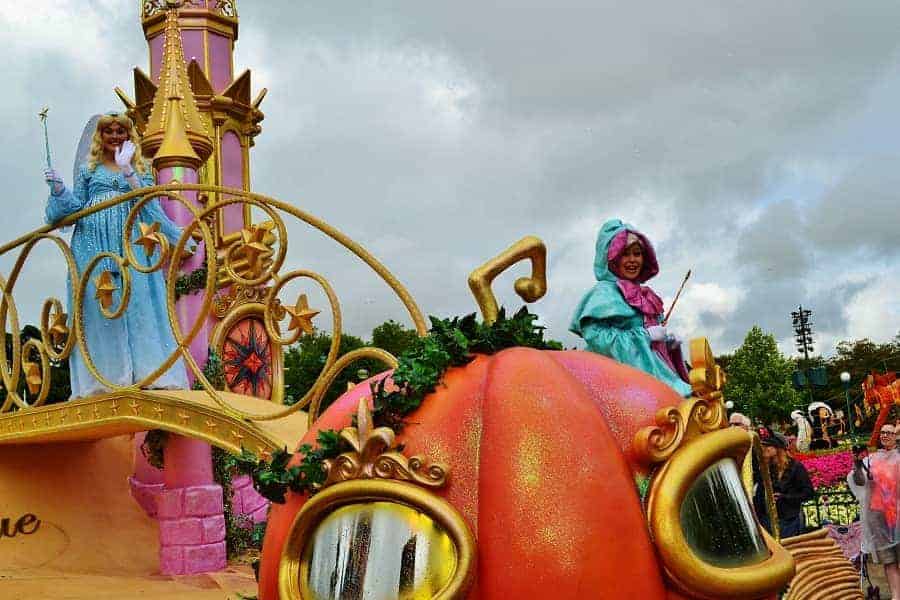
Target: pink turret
x=209, y=30
x=197, y=125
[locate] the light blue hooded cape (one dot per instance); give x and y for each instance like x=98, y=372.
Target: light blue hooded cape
x=610, y=325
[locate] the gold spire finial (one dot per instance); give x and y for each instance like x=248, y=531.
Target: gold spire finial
x=175, y=134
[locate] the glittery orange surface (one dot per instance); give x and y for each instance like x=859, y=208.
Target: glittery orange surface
x=281, y=516
x=538, y=444
x=556, y=494
x=627, y=398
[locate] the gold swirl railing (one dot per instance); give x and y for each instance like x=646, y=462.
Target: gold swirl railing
x=251, y=260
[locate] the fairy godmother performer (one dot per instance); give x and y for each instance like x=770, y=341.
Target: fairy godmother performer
x=125, y=350
x=620, y=317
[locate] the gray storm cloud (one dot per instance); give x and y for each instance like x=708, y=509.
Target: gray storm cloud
x=439, y=133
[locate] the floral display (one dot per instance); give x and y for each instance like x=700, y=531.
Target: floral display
x=827, y=470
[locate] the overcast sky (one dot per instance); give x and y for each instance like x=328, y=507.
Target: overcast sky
x=754, y=142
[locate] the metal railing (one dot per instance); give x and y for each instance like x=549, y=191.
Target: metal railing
x=249, y=259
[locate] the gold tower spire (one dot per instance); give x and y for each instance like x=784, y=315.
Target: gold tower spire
x=175, y=134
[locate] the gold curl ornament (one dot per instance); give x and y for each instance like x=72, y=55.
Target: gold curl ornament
x=677, y=425
x=372, y=457
x=254, y=246
x=693, y=416
x=36, y=374
x=327, y=378
x=10, y=370
x=150, y=237
x=658, y=442
x=301, y=314
x=530, y=289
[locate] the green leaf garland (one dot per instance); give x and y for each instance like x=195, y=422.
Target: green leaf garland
x=190, y=283
x=449, y=343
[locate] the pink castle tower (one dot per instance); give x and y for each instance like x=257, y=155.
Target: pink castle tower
x=197, y=123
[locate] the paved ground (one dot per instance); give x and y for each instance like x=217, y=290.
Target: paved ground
x=234, y=584
x=876, y=574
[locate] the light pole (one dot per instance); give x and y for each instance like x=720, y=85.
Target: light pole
x=845, y=379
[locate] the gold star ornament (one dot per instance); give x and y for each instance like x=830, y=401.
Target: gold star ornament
x=59, y=331
x=105, y=288
x=32, y=377
x=149, y=238
x=301, y=316
x=254, y=248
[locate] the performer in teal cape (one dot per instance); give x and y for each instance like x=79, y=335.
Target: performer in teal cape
x=619, y=317
x=125, y=350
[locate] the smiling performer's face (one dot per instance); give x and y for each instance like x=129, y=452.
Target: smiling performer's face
x=630, y=263
x=113, y=136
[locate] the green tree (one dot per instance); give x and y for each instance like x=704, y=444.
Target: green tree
x=60, y=389
x=724, y=361
x=393, y=337
x=759, y=379
x=304, y=361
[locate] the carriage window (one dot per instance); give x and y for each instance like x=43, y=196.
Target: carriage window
x=718, y=521
x=378, y=551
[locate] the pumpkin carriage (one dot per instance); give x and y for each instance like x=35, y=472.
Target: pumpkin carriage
x=556, y=473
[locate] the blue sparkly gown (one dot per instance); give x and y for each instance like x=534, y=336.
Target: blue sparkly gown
x=127, y=349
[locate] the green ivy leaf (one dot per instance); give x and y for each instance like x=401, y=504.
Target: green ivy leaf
x=450, y=343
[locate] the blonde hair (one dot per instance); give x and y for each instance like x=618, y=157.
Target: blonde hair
x=95, y=156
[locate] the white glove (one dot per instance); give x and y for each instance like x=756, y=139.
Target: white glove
x=657, y=333
x=124, y=154
x=54, y=181
x=673, y=340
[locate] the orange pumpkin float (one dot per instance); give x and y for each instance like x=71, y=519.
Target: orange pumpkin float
x=542, y=451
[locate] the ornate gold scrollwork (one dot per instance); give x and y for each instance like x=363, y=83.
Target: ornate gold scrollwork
x=37, y=374
x=226, y=8
x=250, y=260
x=61, y=333
x=694, y=416
x=675, y=426
x=374, y=480
x=239, y=295
x=54, y=327
x=530, y=289
x=706, y=377
x=372, y=456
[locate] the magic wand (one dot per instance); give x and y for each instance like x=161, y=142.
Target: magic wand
x=669, y=312
x=43, y=117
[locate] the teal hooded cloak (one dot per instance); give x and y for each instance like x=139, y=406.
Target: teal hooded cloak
x=615, y=328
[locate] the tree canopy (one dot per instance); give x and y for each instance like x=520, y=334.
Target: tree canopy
x=304, y=360
x=759, y=379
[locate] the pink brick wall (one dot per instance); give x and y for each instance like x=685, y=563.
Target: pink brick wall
x=191, y=530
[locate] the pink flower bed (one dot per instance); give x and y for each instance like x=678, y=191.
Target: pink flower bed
x=827, y=470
